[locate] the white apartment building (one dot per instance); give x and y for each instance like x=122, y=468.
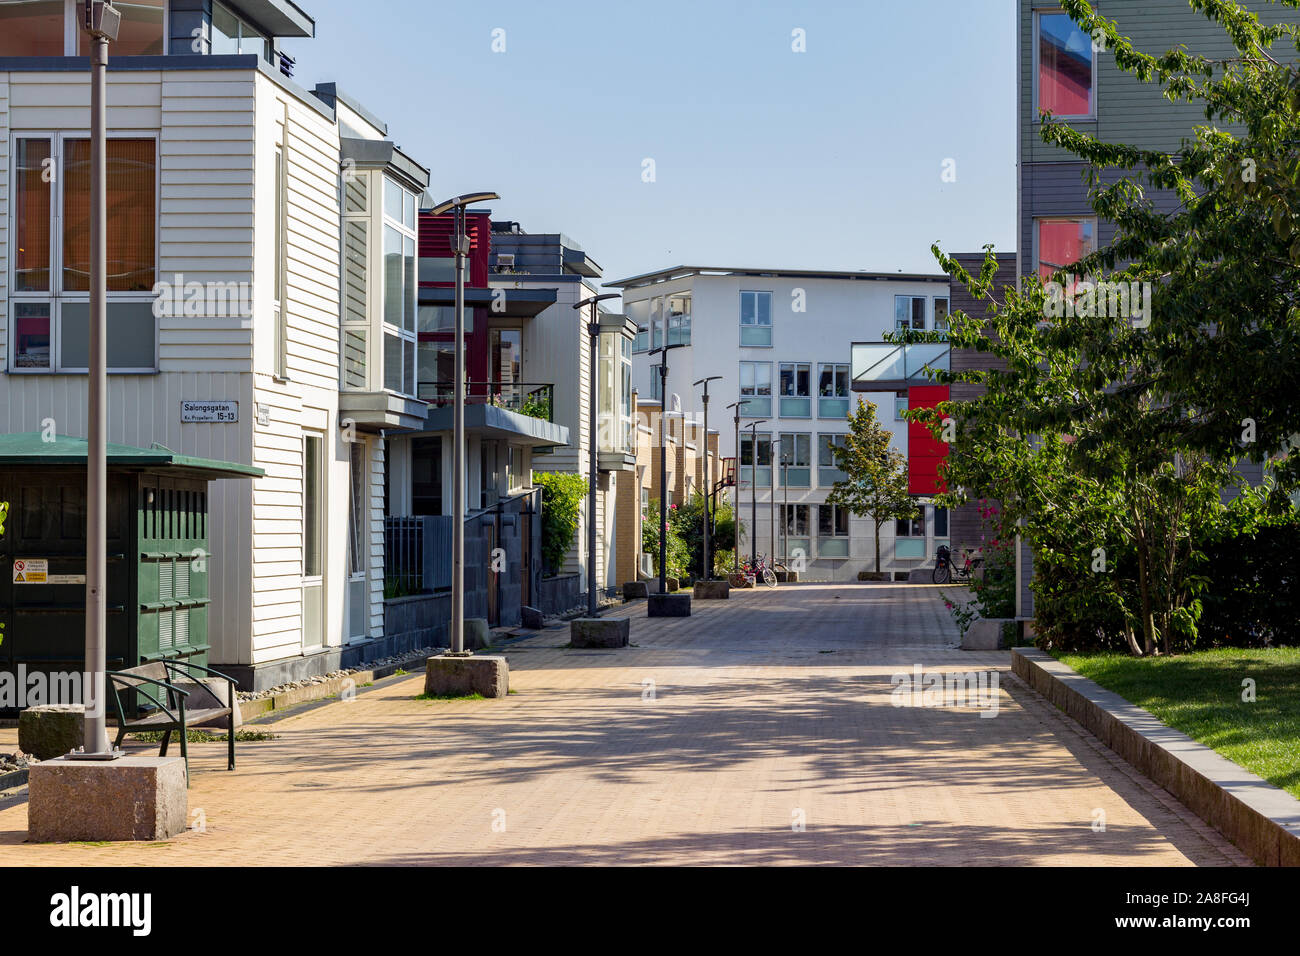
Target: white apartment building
x=781, y=340
x=227, y=190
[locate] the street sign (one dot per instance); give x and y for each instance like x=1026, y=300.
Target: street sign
x=31, y=570
x=220, y=411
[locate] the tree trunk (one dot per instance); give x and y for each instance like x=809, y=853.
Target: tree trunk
x=877, y=547
x=1144, y=586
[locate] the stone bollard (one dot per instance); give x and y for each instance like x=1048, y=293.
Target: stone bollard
x=53, y=730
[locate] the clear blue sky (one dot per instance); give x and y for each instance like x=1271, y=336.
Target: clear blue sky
x=831, y=158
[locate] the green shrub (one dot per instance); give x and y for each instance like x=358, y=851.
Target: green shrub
x=562, y=496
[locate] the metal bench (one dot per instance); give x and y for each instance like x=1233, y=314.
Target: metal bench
x=177, y=700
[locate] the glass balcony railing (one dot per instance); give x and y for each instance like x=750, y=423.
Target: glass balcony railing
x=534, y=399
x=889, y=366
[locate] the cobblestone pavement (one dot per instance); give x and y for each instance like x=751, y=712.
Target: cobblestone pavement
x=759, y=730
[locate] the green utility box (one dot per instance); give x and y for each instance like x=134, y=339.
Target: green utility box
x=158, y=560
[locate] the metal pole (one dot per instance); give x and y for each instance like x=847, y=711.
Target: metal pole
x=772, y=509
x=785, y=510
x=458, y=451
x=707, y=569
x=593, y=333
x=96, y=730
x=753, y=497
x=663, y=470
x=735, y=551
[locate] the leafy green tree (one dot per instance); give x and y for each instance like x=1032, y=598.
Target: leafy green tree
x=690, y=522
x=875, y=482
x=562, y=496
x=1224, y=257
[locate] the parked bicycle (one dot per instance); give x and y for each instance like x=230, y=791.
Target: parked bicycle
x=948, y=568
x=760, y=571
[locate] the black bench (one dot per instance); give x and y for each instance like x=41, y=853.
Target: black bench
x=177, y=700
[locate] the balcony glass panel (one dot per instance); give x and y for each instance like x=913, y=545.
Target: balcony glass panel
x=756, y=336
x=796, y=408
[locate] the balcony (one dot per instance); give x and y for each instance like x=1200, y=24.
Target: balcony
x=534, y=399
x=886, y=367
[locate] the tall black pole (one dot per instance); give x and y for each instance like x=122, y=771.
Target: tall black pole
x=663, y=471
x=458, y=448
x=593, y=333
x=706, y=569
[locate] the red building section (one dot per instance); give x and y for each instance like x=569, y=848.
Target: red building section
x=435, y=244
x=924, y=451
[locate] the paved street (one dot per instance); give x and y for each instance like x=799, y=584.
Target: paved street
x=708, y=742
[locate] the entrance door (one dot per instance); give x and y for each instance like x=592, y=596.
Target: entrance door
x=358, y=596
x=313, y=540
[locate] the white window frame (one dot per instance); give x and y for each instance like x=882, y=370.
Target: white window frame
x=54, y=297
x=407, y=337
x=1035, y=116
x=72, y=30
x=745, y=411
x=897, y=408
x=912, y=299
x=1039, y=220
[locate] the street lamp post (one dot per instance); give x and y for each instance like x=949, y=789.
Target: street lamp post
x=735, y=552
x=101, y=24
x=778, y=443
x=663, y=457
x=593, y=335
x=708, y=486
x=460, y=247
x=753, y=492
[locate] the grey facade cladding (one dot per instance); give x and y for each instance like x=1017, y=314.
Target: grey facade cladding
x=1126, y=110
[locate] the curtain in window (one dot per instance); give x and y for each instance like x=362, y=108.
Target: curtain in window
x=132, y=219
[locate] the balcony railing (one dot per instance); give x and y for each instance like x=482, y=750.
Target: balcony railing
x=535, y=399
x=885, y=366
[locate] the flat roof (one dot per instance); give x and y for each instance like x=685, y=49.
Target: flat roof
x=679, y=272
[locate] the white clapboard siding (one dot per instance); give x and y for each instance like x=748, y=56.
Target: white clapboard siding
x=376, y=556
x=4, y=219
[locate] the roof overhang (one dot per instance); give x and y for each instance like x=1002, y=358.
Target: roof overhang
x=490, y=421
x=381, y=411
x=504, y=301
x=32, y=448
x=280, y=18
x=382, y=154
x=681, y=272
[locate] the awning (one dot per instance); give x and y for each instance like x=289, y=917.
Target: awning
x=32, y=448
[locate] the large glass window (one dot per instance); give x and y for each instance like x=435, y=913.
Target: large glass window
x=754, y=446
x=756, y=389
x=833, y=391
x=828, y=471
x=796, y=383
x=50, y=266
x=32, y=27
x=1065, y=67
x=232, y=34
x=797, y=531
x=679, y=319
x=909, y=312
x=357, y=549
x=141, y=31
x=756, y=319
x=910, y=527
x=796, y=459
x=941, y=313
x=400, y=279
x=1062, y=242
x=639, y=312
x=313, y=477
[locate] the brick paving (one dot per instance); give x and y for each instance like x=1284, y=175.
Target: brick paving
x=757, y=731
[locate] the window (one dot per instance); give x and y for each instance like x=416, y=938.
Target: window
x=50, y=265
x=940, y=522
x=910, y=527
x=313, y=500
x=232, y=34
x=756, y=319
x=357, y=508
x=656, y=316
x=796, y=531
x=900, y=406
x=656, y=384
x=32, y=27
x=796, y=459
x=756, y=389
x=832, y=531
x=1066, y=67
x=356, y=281
x=679, y=319
x=53, y=28
x=639, y=312
x=796, y=381
x=833, y=391
x=762, y=441
x=796, y=520
x=426, y=476
x=140, y=34
x=399, y=309
x=827, y=471
x=1062, y=242
x=645, y=501
x=909, y=312
x=941, y=313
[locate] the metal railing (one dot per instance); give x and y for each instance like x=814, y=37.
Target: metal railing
x=415, y=550
x=535, y=399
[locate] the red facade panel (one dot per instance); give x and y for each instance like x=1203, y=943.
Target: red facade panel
x=924, y=451
x=435, y=242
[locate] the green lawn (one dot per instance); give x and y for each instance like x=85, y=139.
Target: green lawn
x=1200, y=694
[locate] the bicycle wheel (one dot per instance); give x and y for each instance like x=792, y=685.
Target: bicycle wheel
x=769, y=577
x=941, y=574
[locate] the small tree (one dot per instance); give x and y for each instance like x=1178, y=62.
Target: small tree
x=876, y=474
x=562, y=494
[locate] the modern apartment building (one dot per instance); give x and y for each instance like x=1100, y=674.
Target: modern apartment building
x=782, y=341
x=231, y=332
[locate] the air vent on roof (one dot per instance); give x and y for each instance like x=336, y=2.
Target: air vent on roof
x=505, y=262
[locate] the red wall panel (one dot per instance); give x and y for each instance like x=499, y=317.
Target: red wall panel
x=924, y=451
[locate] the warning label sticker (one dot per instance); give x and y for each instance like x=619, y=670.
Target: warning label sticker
x=31, y=571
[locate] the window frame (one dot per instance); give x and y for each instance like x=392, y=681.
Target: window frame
x=791, y=440
x=1035, y=115
x=911, y=319
x=755, y=397
x=846, y=398
x=742, y=325
x=72, y=31
x=54, y=297
x=405, y=336
x=760, y=440
x=1037, y=223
